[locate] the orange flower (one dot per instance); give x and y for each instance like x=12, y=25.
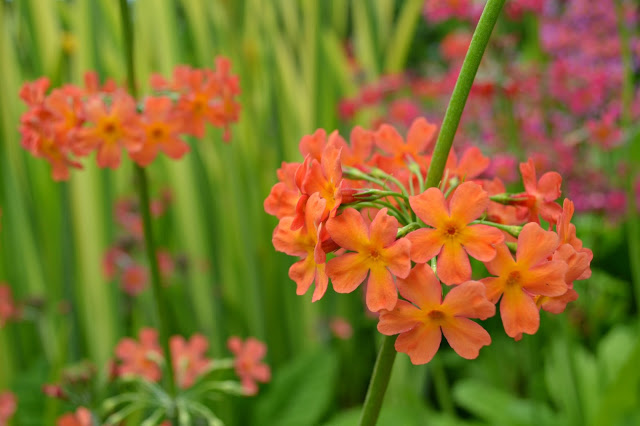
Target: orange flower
x=140, y=359
x=452, y=238
x=161, y=128
x=424, y=317
x=247, y=363
x=189, y=359
x=419, y=139
x=113, y=128
x=577, y=258
x=325, y=178
x=305, y=242
x=471, y=165
x=540, y=195
x=529, y=275
x=377, y=254
x=82, y=417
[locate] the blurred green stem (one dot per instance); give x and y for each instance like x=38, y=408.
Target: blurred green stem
x=387, y=354
x=632, y=151
x=161, y=310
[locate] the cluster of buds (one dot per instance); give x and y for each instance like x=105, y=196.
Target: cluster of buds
x=120, y=260
x=72, y=122
x=360, y=212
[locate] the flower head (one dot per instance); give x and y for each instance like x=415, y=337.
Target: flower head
x=248, y=363
x=451, y=237
x=140, y=359
x=189, y=358
x=423, y=317
x=375, y=253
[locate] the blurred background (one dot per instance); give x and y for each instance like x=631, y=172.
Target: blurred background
x=558, y=84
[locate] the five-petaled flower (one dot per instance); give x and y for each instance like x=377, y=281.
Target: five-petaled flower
x=248, y=363
x=377, y=253
x=451, y=237
x=423, y=317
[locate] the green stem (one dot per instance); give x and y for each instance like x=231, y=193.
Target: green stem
x=379, y=382
x=513, y=230
x=633, y=150
x=160, y=308
x=479, y=41
x=461, y=91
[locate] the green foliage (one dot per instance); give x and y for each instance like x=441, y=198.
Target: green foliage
x=300, y=393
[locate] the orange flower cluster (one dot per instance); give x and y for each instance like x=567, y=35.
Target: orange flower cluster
x=144, y=359
x=72, y=122
x=359, y=212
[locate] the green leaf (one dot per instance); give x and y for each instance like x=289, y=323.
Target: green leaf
x=300, y=393
x=501, y=408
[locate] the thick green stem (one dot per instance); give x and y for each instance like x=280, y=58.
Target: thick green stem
x=379, y=382
x=386, y=356
x=461, y=91
x=632, y=151
x=161, y=311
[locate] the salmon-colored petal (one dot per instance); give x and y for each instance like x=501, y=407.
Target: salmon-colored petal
x=361, y=143
x=313, y=145
x=383, y=229
x=519, y=312
x=421, y=134
x=472, y=163
x=547, y=279
x=468, y=202
x=313, y=213
x=421, y=287
x=314, y=180
x=389, y=140
x=465, y=337
x=528, y=171
x=587, y=273
x=402, y=318
x=347, y=271
x=503, y=261
x=381, y=290
x=425, y=244
x=175, y=148
x=331, y=164
x=453, y=264
x=577, y=261
x=549, y=186
x=303, y=273
x=261, y=373
x=349, y=230
x=109, y=155
x=535, y=245
x=550, y=211
x=494, y=288
x=430, y=206
x=322, y=282
x=286, y=240
x=421, y=343
x=397, y=258
x=557, y=305
x=479, y=241
x=469, y=300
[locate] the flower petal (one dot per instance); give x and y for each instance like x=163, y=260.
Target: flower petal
x=468, y=202
x=349, y=230
x=421, y=287
x=494, y=288
x=402, y=318
x=430, y=206
x=535, y=245
x=383, y=229
x=469, y=300
x=303, y=272
x=381, y=290
x=453, y=264
x=519, y=312
x=549, y=186
x=421, y=343
x=425, y=244
x=547, y=279
x=420, y=134
x=347, y=271
x=479, y=241
x=397, y=258
x=465, y=337
x=322, y=282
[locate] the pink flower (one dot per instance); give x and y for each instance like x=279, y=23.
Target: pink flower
x=189, y=358
x=140, y=359
x=247, y=362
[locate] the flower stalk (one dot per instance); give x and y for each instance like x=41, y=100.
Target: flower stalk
x=481, y=35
